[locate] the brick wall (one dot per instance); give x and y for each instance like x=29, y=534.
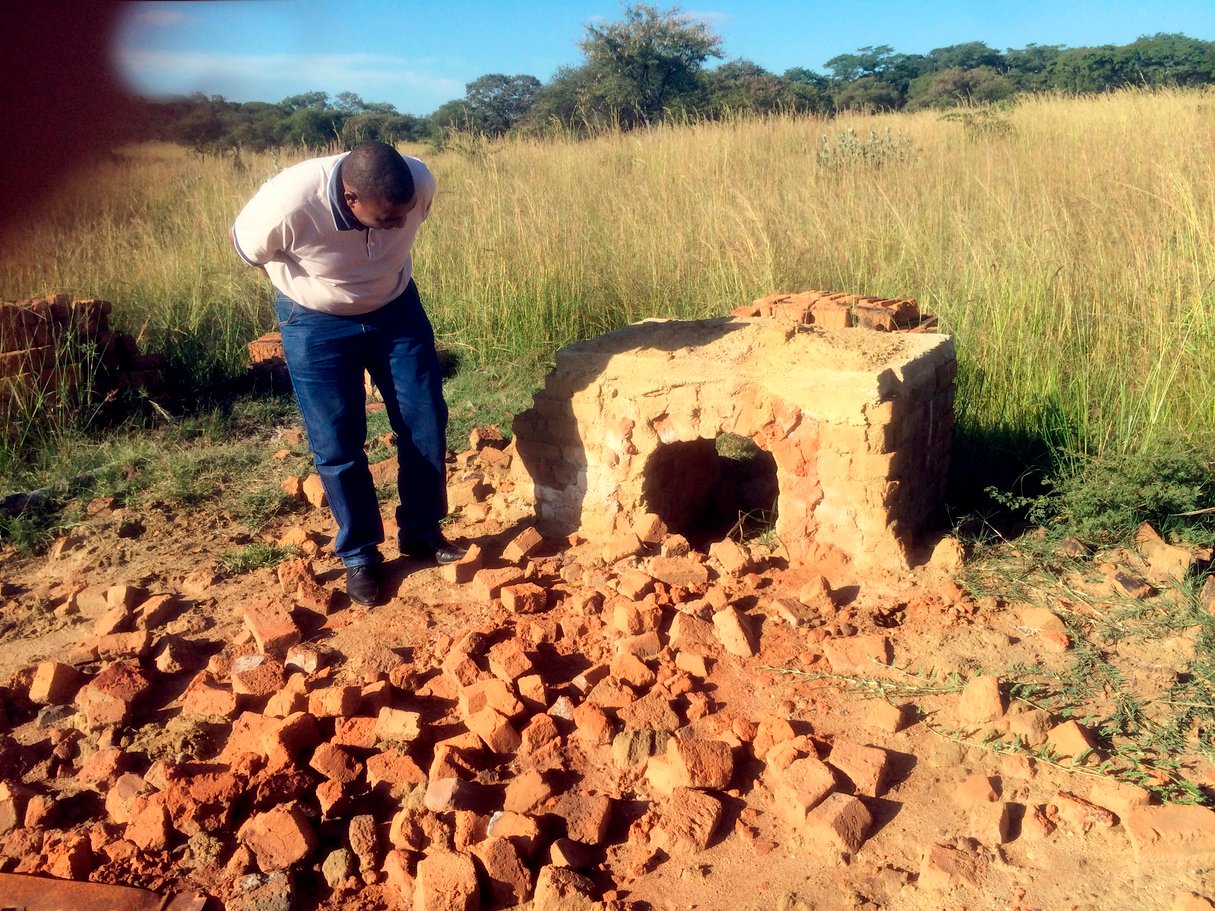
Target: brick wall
x=53, y=347
x=858, y=420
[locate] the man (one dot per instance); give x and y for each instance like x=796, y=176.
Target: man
x=334, y=236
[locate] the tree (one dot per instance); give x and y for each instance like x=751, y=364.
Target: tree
x=954, y=86
x=1028, y=68
x=307, y=100
x=566, y=101
x=968, y=56
x=494, y=104
x=648, y=63
x=741, y=86
x=807, y=91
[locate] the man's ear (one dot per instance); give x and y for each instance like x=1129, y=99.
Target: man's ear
x=350, y=196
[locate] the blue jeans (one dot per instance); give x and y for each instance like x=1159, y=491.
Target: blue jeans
x=326, y=356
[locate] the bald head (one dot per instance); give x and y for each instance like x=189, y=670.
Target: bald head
x=376, y=171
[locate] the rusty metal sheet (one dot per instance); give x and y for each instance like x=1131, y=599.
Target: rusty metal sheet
x=37, y=893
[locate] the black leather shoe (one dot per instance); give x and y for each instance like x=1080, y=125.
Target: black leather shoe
x=363, y=583
x=435, y=549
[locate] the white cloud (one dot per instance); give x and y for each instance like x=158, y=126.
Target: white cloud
x=182, y=70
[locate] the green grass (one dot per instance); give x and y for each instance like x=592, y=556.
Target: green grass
x=255, y=556
x=1067, y=250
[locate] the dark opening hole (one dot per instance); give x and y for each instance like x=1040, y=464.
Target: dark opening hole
x=707, y=490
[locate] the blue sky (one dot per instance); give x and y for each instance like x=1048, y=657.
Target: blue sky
x=418, y=55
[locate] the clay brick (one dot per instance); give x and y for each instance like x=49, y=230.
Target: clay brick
x=55, y=683
x=977, y=789
x=314, y=492
x=800, y=787
x=335, y=763
x=463, y=571
x=679, y=572
x=522, y=545
x=586, y=816
x=1031, y=725
x=944, y=867
x=156, y=611
x=882, y=716
x=291, y=736
x=259, y=676
x=278, y=838
x=858, y=654
x=494, y=729
x=691, y=764
x=508, y=661
x=271, y=625
x=1171, y=831
x=397, y=725
x=1077, y=813
x=865, y=766
x=150, y=826
x=730, y=556
x=526, y=791
x=653, y=712
x=687, y=822
x=392, y=771
x=490, y=692
x=539, y=731
x=734, y=632
x=592, y=725
x=357, y=732
x=292, y=698
x=1070, y=740
x=524, y=598
x=446, y=882
x=981, y=701
x=1117, y=796
x=561, y=889
x=502, y=869
x=841, y=821
x=632, y=670
x=335, y=701
x=643, y=645
x=487, y=584
x=206, y=696
x=110, y=697
x=693, y=664
x=991, y=823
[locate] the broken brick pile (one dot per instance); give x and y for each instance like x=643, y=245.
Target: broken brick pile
x=859, y=424
x=54, y=347
x=569, y=745
x=836, y=310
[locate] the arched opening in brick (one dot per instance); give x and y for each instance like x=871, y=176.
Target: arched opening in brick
x=707, y=490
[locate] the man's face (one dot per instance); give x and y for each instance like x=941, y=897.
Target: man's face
x=377, y=213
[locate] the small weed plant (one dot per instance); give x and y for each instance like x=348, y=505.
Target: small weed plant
x=850, y=150
x=255, y=556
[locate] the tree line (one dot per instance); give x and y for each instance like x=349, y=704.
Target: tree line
x=651, y=66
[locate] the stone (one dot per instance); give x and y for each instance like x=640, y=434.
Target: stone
x=397, y=725
x=259, y=676
x=337, y=702
x=338, y=866
x=1031, y=725
x=981, y=701
x=680, y=572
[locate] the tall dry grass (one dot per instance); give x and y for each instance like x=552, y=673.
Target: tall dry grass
x=1067, y=244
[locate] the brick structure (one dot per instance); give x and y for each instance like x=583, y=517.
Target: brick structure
x=54, y=346
x=858, y=423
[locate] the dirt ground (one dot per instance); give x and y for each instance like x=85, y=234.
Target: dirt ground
x=841, y=665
